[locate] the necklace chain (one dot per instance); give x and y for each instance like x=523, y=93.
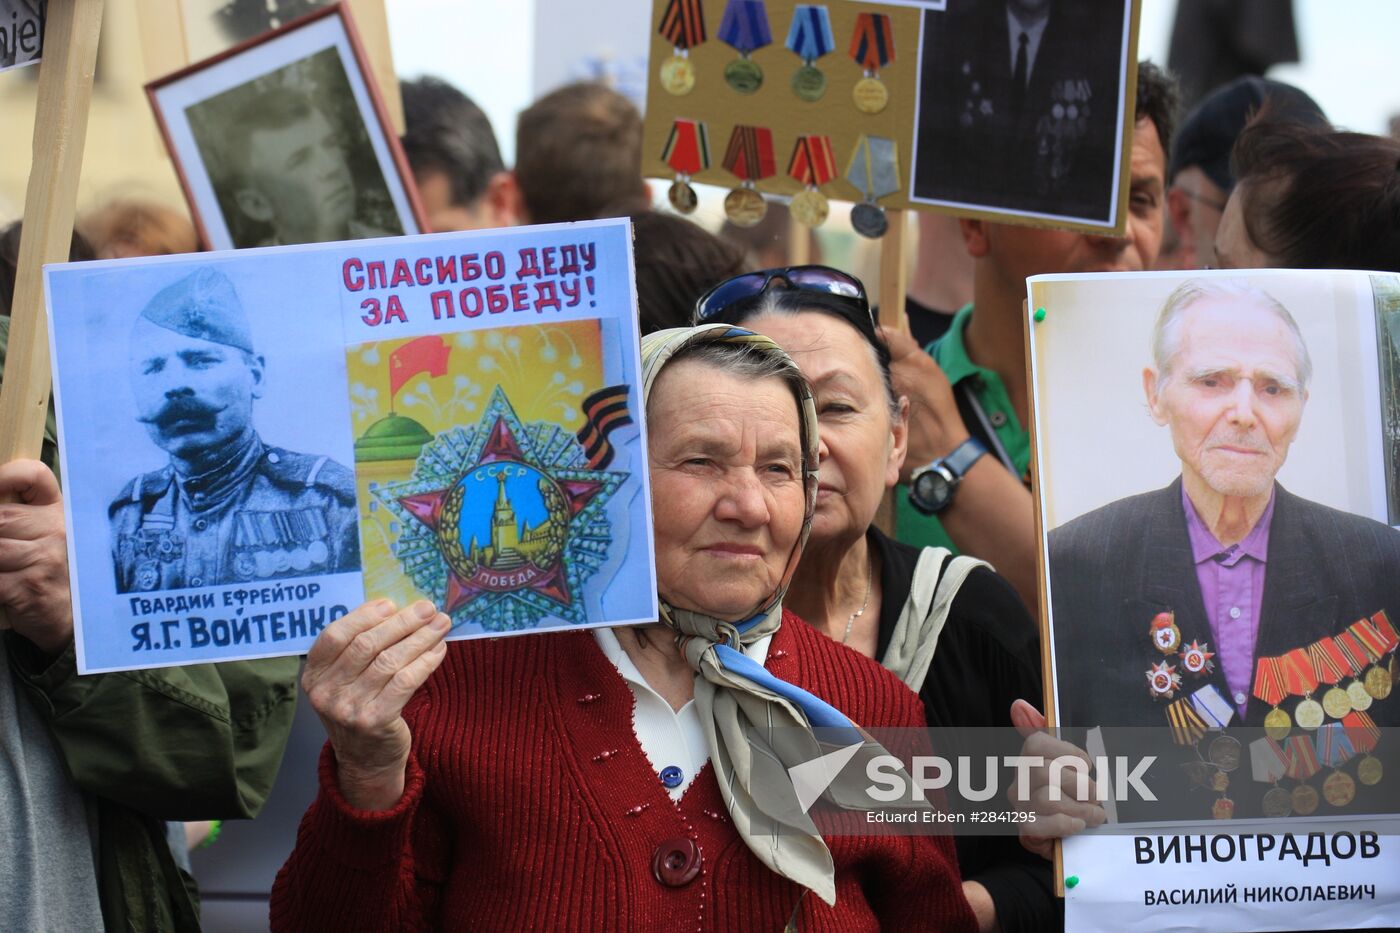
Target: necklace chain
x=869, y=584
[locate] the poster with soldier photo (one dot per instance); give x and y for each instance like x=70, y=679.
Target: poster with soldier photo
x=283, y=140
x=1222, y=602
x=1025, y=108
x=255, y=442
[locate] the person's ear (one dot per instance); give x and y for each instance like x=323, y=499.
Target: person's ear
x=257, y=366
x=512, y=197
x=975, y=235
x=1179, y=215
x=254, y=204
x=1150, y=387
x=502, y=201
x=899, y=443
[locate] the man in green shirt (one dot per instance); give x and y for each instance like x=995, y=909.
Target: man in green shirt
x=969, y=443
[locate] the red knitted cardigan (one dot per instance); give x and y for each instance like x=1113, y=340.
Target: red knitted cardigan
x=529, y=805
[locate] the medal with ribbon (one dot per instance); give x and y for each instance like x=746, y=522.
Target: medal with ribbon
x=1330, y=666
x=683, y=25
x=874, y=170
x=1302, y=764
x=1187, y=725
x=749, y=158
x=1268, y=765
x=872, y=47
x=745, y=27
x=1298, y=675
x=1334, y=750
x=687, y=152
x=1213, y=708
x=810, y=38
x=1364, y=734
x=1269, y=687
x=1376, y=641
x=813, y=164
x=1355, y=657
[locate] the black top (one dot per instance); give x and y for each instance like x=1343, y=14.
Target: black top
x=988, y=655
x=926, y=324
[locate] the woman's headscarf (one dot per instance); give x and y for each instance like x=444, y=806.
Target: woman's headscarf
x=756, y=725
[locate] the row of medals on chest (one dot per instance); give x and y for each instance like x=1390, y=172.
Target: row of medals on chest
x=1224, y=752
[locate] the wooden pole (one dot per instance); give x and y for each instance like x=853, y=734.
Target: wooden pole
x=799, y=242
x=60, y=127
x=894, y=282
x=894, y=272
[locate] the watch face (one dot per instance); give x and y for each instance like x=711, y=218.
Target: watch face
x=931, y=491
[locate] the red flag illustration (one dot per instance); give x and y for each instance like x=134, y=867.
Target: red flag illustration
x=424, y=355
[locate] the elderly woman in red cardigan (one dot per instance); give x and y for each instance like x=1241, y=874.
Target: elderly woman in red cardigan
x=602, y=779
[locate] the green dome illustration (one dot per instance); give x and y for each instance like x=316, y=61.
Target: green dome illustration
x=392, y=438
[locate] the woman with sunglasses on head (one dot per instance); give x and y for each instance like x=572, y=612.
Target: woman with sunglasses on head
x=951, y=628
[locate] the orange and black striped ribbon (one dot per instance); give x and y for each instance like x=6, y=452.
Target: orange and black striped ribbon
x=604, y=411
x=1298, y=672
x=1187, y=724
x=683, y=23
x=1268, y=681
x=1372, y=641
x=1327, y=661
x=1352, y=651
x=872, y=45
x=813, y=162
x=750, y=153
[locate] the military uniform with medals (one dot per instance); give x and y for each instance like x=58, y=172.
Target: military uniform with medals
x=269, y=514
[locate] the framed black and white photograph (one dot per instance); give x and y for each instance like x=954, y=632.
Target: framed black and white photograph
x=283, y=140
x=1025, y=110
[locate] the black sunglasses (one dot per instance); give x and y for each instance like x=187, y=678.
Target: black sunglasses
x=713, y=305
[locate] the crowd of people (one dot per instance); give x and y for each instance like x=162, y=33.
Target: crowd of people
x=514, y=783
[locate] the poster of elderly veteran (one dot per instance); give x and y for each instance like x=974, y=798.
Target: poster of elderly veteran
x=283, y=140
x=1024, y=107
x=1222, y=571
x=451, y=417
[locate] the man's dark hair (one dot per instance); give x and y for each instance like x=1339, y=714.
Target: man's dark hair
x=1318, y=198
x=677, y=262
x=1158, y=100
x=445, y=131
x=578, y=151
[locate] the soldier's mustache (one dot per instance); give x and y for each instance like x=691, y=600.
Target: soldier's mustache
x=183, y=409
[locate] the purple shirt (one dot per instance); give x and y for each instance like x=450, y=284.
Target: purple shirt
x=1232, y=585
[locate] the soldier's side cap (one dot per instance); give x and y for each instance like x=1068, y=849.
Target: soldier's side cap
x=203, y=304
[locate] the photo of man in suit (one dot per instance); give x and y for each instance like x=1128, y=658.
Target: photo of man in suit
x=1245, y=568
x=1018, y=105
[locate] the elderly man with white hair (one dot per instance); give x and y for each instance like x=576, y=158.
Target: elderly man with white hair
x=1223, y=600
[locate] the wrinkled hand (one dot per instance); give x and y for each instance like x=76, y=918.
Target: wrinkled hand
x=1055, y=819
x=935, y=425
x=360, y=674
x=34, y=556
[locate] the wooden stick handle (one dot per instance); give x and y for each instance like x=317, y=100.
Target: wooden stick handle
x=894, y=272
x=60, y=127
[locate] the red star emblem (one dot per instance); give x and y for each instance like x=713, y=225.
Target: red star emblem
x=501, y=445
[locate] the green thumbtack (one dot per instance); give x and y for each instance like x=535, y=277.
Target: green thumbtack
x=1039, y=315
x=1073, y=880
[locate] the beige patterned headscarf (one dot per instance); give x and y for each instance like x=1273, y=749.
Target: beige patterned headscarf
x=756, y=725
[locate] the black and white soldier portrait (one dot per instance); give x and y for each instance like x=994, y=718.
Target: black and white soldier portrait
x=1019, y=104
x=227, y=507
x=290, y=158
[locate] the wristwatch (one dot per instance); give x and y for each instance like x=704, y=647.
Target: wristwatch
x=931, y=487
